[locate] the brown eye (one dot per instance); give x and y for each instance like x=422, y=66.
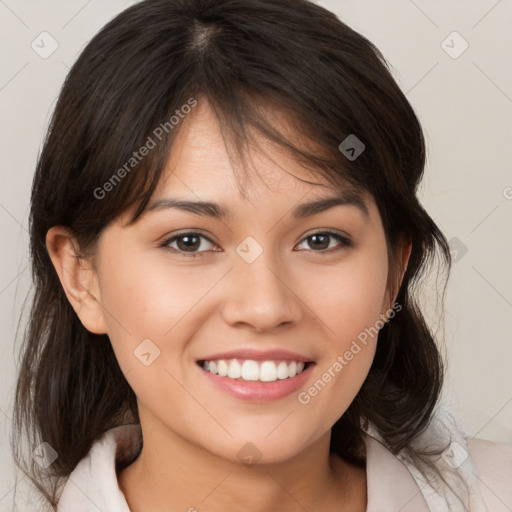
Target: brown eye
x=187, y=243
x=321, y=241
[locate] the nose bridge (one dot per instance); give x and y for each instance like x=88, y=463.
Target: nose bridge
x=260, y=296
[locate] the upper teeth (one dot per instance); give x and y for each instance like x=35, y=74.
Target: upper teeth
x=266, y=371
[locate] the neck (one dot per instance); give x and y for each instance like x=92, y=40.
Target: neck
x=171, y=474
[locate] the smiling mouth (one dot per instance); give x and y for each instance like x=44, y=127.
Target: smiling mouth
x=255, y=371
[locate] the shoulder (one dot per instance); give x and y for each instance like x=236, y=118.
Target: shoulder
x=486, y=466
x=390, y=484
x=476, y=471
x=93, y=484
x=493, y=465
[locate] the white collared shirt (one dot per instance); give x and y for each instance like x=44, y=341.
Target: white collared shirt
x=393, y=484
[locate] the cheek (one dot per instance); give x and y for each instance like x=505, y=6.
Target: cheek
x=349, y=298
x=358, y=303
x=151, y=300
x=349, y=302
x=147, y=298
x=146, y=304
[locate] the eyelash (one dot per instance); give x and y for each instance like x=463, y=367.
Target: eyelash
x=346, y=243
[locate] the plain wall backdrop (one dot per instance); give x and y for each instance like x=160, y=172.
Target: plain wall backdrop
x=453, y=61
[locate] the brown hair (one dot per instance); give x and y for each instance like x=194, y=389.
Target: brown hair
x=132, y=76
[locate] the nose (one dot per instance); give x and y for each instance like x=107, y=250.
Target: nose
x=259, y=295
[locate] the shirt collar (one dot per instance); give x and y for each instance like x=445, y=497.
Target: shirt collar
x=93, y=485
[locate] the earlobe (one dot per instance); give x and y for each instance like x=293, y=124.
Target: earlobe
x=78, y=278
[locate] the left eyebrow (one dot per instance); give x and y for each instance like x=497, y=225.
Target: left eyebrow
x=217, y=211
x=354, y=199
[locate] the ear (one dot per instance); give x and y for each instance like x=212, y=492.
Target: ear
x=403, y=253
x=406, y=249
x=78, y=278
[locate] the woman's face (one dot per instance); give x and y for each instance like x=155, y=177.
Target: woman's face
x=264, y=283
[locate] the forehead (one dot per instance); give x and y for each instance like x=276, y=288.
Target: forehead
x=202, y=162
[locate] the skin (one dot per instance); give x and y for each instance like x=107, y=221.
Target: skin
x=292, y=296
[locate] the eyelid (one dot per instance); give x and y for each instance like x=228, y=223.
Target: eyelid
x=329, y=231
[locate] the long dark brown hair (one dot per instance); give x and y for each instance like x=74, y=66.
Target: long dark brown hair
x=247, y=58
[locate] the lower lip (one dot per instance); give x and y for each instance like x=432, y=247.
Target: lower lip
x=255, y=391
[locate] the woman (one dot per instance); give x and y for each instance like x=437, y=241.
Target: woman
x=226, y=244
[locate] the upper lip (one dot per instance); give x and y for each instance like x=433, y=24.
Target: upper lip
x=258, y=355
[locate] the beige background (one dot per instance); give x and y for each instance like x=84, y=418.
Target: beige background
x=464, y=104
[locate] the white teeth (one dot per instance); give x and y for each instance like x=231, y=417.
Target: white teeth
x=235, y=370
x=282, y=370
x=268, y=371
x=249, y=370
x=222, y=368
